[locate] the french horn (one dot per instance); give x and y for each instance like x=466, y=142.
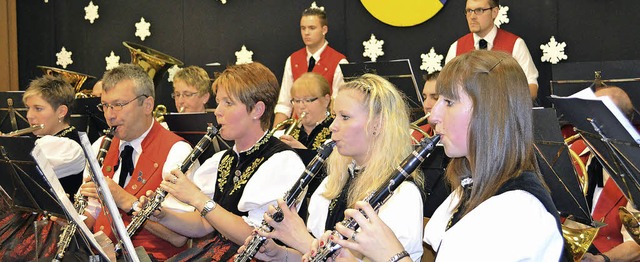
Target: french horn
x=75, y=79
x=292, y=124
x=631, y=222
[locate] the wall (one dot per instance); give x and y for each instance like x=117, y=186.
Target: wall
x=203, y=31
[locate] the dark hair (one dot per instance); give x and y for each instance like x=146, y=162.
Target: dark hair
x=317, y=12
x=431, y=76
x=54, y=90
x=494, y=3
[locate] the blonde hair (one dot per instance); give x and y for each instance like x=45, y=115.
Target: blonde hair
x=194, y=76
x=387, y=108
x=312, y=83
x=54, y=90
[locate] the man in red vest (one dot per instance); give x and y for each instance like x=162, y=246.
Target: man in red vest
x=485, y=35
x=317, y=56
x=141, y=153
x=613, y=243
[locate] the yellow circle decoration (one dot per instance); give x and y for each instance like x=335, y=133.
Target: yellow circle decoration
x=403, y=13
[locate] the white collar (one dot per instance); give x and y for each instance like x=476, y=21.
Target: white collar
x=489, y=38
x=316, y=56
x=136, y=143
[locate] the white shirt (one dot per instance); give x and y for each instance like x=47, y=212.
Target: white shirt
x=284, y=100
x=402, y=213
x=65, y=155
x=520, y=53
x=270, y=181
x=179, y=151
x=513, y=226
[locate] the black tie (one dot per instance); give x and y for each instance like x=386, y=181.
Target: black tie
x=127, y=164
x=483, y=44
x=312, y=63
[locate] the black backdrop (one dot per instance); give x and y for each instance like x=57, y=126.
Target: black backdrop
x=203, y=31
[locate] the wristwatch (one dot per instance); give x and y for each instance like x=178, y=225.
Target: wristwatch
x=208, y=206
x=134, y=207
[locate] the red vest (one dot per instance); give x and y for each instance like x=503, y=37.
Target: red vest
x=147, y=175
x=326, y=66
x=504, y=41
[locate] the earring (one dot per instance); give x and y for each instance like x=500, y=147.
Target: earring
x=375, y=133
x=59, y=120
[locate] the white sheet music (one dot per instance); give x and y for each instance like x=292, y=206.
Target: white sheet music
x=53, y=181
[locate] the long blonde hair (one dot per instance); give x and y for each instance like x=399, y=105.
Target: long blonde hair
x=391, y=144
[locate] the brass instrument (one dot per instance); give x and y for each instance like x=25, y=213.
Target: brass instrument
x=159, y=112
x=75, y=79
x=415, y=126
x=80, y=201
x=578, y=236
x=584, y=179
x=23, y=131
x=292, y=122
x=631, y=222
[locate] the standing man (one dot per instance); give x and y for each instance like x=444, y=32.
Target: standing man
x=141, y=153
x=317, y=56
x=485, y=35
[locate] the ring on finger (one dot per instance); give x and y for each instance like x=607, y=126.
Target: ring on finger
x=353, y=236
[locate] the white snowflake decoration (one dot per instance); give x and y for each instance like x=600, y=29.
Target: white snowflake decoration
x=315, y=6
x=431, y=62
x=553, y=51
x=502, y=17
x=64, y=58
x=373, y=48
x=223, y=1
x=46, y=1
x=172, y=72
x=112, y=61
x=244, y=56
x=91, y=12
x=142, y=29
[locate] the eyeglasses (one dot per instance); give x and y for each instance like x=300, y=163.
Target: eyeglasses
x=184, y=94
x=304, y=100
x=117, y=106
x=477, y=11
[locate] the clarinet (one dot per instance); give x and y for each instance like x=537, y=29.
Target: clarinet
x=147, y=210
x=290, y=197
x=384, y=192
x=80, y=201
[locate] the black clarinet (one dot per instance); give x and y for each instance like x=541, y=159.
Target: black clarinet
x=290, y=197
x=80, y=201
x=384, y=192
x=138, y=220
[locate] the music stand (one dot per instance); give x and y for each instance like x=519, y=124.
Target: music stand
x=556, y=166
x=193, y=126
x=12, y=111
x=106, y=199
x=610, y=136
x=398, y=72
x=86, y=117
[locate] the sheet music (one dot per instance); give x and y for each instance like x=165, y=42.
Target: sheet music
x=107, y=199
x=587, y=94
x=47, y=170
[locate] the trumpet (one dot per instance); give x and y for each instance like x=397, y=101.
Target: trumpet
x=414, y=126
x=23, y=131
x=159, y=112
x=292, y=122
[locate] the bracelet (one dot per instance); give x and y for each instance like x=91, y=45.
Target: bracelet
x=397, y=257
x=606, y=258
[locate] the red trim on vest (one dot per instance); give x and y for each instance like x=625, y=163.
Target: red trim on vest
x=326, y=66
x=504, y=41
x=155, y=148
x=610, y=199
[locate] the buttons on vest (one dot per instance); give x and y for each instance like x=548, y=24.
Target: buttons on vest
x=154, y=165
x=107, y=168
x=134, y=187
x=101, y=228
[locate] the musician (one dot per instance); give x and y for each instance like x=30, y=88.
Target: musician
x=240, y=183
x=481, y=15
x=191, y=89
x=317, y=56
x=96, y=91
x=613, y=242
x=141, y=153
x=493, y=171
x=371, y=137
x=310, y=94
x=48, y=100
x=429, y=97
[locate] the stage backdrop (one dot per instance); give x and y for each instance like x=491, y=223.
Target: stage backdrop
x=205, y=31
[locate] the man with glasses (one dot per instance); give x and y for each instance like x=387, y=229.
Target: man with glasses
x=317, y=56
x=141, y=153
x=484, y=34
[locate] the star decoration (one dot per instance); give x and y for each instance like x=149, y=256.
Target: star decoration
x=223, y=1
x=502, y=17
x=172, y=72
x=373, y=48
x=315, y=6
x=112, y=61
x=431, y=62
x=64, y=58
x=244, y=56
x=46, y=1
x=553, y=51
x=142, y=29
x=91, y=12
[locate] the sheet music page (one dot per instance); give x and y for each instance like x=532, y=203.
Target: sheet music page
x=587, y=94
x=52, y=179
